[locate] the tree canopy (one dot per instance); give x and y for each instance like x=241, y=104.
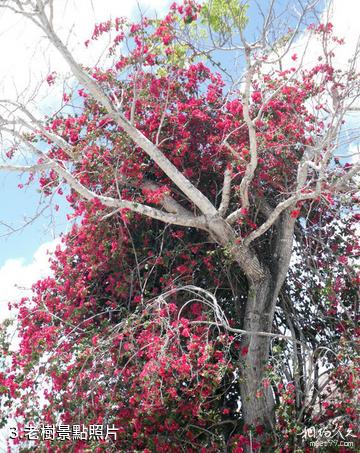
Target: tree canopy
x=206, y=295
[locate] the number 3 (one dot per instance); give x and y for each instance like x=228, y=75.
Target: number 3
x=13, y=432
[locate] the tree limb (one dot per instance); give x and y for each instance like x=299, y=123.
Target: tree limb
x=226, y=192
x=195, y=195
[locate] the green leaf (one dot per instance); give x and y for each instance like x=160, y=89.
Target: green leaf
x=225, y=16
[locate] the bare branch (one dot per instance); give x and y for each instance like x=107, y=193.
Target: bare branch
x=172, y=218
x=251, y=166
x=196, y=196
x=24, y=168
x=55, y=138
x=276, y=213
x=226, y=192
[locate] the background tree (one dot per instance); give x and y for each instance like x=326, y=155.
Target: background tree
x=173, y=312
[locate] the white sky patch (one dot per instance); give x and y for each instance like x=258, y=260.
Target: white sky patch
x=30, y=58
x=354, y=152
x=345, y=18
x=17, y=277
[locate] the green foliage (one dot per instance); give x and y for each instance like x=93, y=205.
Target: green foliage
x=225, y=16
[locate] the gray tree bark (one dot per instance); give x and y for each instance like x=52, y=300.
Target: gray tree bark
x=265, y=284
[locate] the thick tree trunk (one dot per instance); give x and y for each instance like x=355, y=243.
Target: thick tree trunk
x=265, y=279
x=257, y=402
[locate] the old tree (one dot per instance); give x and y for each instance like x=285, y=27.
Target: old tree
x=205, y=296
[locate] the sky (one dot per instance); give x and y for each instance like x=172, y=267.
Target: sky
x=23, y=254
x=28, y=60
